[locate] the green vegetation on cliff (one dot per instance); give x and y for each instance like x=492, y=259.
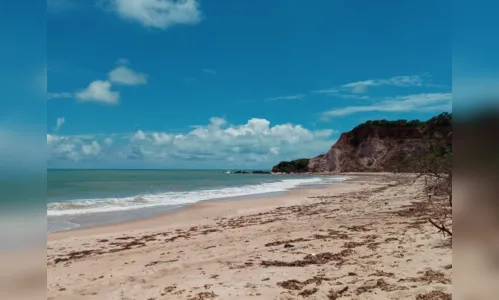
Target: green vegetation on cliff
x=443, y=119
x=294, y=166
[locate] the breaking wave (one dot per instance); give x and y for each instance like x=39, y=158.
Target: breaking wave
x=89, y=206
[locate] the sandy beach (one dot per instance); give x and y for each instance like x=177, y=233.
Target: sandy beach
x=365, y=238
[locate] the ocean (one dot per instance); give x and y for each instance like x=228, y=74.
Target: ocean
x=81, y=198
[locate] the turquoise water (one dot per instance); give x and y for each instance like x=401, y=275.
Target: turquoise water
x=76, y=195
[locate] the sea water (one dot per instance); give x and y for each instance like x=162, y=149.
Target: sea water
x=79, y=198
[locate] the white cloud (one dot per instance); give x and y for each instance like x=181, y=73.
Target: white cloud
x=63, y=147
x=254, y=142
x=59, y=123
x=291, y=97
x=126, y=76
x=90, y=149
x=66, y=149
x=326, y=91
x=217, y=122
x=416, y=102
x=99, y=91
x=337, y=93
x=52, y=138
x=59, y=95
x=274, y=150
x=217, y=140
x=325, y=133
x=209, y=71
x=360, y=87
x=160, y=14
x=108, y=141
x=75, y=147
x=353, y=96
x=139, y=135
x=161, y=138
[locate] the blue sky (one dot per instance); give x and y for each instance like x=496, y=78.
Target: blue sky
x=211, y=84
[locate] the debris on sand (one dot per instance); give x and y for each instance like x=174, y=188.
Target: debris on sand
x=170, y=289
x=294, y=284
x=310, y=259
x=333, y=295
x=153, y=263
x=203, y=295
x=278, y=243
x=435, y=295
x=379, y=273
x=429, y=277
x=353, y=244
x=308, y=292
x=380, y=284
x=357, y=228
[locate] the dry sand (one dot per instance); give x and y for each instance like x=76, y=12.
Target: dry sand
x=366, y=238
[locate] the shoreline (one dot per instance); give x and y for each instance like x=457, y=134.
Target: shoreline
x=143, y=214
x=261, y=201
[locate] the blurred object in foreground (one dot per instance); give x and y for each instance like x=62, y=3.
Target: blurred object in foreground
x=475, y=74
x=22, y=150
x=22, y=212
x=476, y=205
x=22, y=208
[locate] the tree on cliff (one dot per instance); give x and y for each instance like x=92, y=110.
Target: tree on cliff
x=294, y=166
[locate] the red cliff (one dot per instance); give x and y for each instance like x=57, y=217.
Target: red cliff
x=386, y=145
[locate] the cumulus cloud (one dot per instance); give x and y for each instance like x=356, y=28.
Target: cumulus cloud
x=99, y=91
x=254, y=142
x=138, y=136
x=91, y=149
x=417, y=102
x=108, y=141
x=73, y=148
x=160, y=14
x=126, y=76
x=161, y=138
x=51, y=138
x=62, y=148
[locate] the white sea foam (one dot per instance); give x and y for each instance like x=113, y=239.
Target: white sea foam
x=61, y=225
x=89, y=206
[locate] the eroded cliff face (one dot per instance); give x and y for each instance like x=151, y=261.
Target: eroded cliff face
x=385, y=146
